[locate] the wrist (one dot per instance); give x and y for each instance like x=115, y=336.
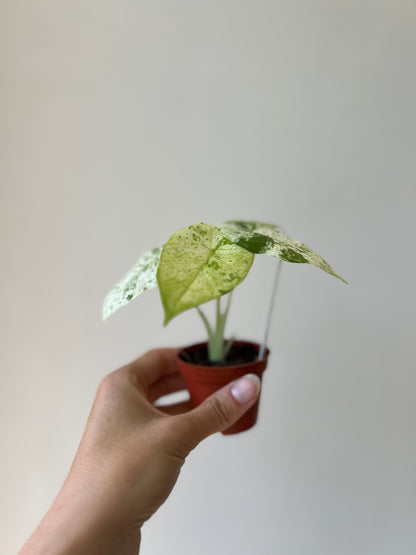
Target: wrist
x=80, y=522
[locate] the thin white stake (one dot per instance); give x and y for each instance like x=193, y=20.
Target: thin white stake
x=271, y=306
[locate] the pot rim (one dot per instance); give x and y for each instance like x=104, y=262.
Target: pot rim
x=196, y=346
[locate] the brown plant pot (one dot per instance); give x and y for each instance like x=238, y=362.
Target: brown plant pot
x=203, y=379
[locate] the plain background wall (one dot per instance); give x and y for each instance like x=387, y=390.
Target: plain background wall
x=122, y=122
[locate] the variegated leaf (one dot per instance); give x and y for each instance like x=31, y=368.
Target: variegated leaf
x=261, y=238
x=140, y=278
x=197, y=265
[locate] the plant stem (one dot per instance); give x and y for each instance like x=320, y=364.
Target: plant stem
x=206, y=324
x=216, y=345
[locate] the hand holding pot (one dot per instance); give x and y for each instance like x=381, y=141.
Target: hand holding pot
x=130, y=456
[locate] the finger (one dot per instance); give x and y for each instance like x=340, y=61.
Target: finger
x=176, y=408
x=152, y=366
x=165, y=385
x=218, y=412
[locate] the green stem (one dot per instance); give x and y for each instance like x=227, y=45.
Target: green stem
x=217, y=350
x=227, y=308
x=207, y=325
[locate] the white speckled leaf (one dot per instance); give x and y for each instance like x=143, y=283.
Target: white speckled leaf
x=197, y=265
x=260, y=238
x=140, y=278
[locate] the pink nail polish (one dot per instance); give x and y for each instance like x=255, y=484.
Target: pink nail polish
x=246, y=388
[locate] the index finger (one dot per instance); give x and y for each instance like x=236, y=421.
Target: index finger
x=153, y=365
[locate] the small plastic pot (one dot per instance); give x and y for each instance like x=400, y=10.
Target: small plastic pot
x=203, y=380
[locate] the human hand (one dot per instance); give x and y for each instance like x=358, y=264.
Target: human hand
x=130, y=456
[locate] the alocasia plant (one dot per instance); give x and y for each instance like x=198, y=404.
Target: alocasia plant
x=203, y=262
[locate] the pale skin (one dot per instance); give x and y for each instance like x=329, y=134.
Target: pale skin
x=130, y=457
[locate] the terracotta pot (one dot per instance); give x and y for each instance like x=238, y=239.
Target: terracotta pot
x=203, y=380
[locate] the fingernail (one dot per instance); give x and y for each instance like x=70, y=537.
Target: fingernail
x=246, y=388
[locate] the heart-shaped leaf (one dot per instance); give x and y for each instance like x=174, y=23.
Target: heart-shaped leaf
x=261, y=238
x=140, y=278
x=199, y=264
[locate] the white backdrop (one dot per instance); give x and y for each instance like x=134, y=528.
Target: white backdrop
x=125, y=121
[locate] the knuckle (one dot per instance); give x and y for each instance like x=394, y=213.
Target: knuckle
x=105, y=384
x=150, y=353
x=222, y=412
x=110, y=382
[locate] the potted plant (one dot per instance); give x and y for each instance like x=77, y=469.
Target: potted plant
x=202, y=263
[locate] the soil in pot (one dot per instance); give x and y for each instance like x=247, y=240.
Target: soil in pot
x=202, y=378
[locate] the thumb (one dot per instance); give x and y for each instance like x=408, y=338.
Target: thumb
x=220, y=410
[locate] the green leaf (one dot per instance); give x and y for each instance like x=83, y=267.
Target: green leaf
x=199, y=264
x=261, y=238
x=140, y=278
